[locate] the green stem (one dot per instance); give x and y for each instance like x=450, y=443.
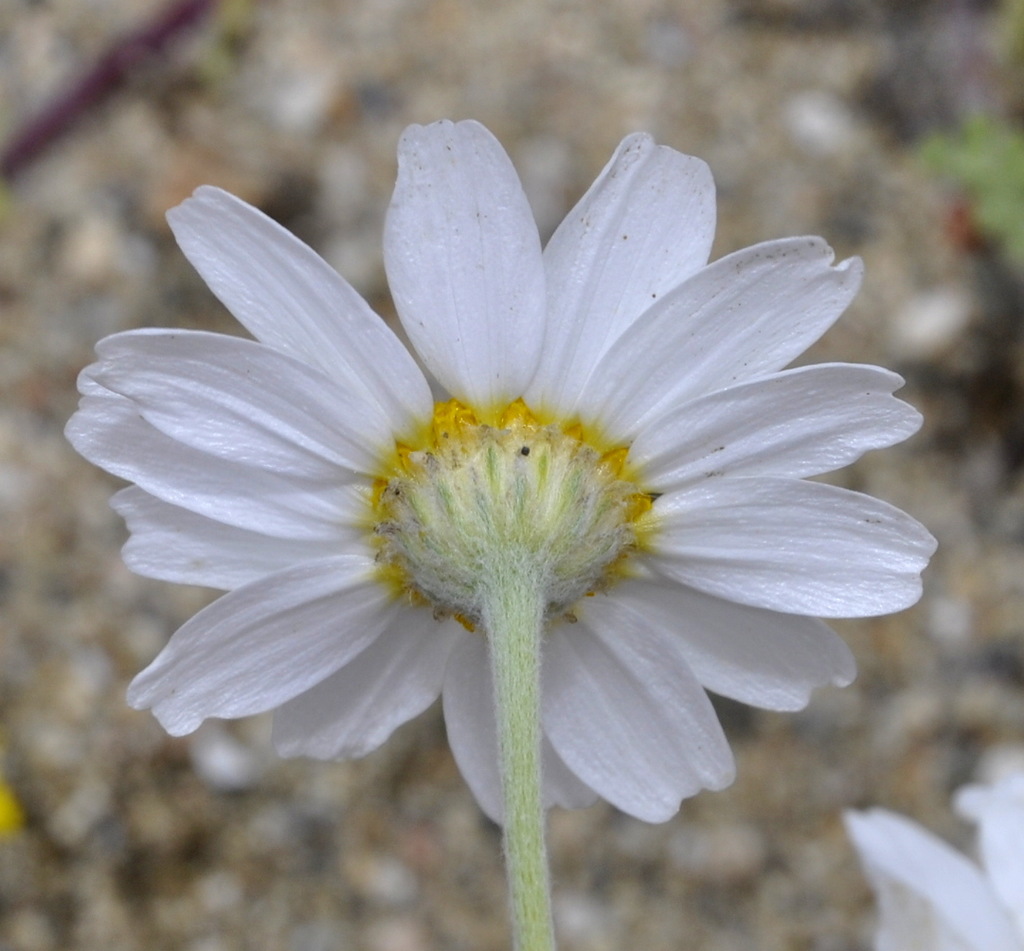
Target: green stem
x=513, y=616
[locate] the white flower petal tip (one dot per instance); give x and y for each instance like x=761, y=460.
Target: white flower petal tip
x=265, y=643
x=290, y=299
x=356, y=709
x=746, y=315
x=795, y=423
x=929, y=895
x=762, y=658
x=643, y=227
x=173, y=544
x=792, y=546
x=634, y=724
x=615, y=365
x=463, y=260
x=242, y=401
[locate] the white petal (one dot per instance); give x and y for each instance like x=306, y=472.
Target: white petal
x=265, y=643
x=644, y=226
x=240, y=400
x=931, y=898
x=562, y=787
x=174, y=544
x=633, y=724
x=357, y=708
x=468, y=700
x=796, y=423
x=759, y=657
x=999, y=812
x=108, y=431
x=791, y=546
x=292, y=300
x=746, y=315
x=464, y=263
x=472, y=734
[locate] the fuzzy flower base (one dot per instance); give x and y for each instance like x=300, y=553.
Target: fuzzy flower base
x=624, y=417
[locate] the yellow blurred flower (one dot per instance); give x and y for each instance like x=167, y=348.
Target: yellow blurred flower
x=12, y=816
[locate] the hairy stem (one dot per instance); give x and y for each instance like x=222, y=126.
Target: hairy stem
x=513, y=616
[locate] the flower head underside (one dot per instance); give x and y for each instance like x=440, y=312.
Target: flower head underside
x=479, y=495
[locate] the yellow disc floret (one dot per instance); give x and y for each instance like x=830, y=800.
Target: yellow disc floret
x=476, y=497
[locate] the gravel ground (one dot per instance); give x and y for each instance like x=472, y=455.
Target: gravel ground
x=808, y=113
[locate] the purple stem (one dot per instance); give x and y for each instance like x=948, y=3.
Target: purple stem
x=109, y=72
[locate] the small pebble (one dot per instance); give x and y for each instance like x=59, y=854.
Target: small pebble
x=930, y=323
x=720, y=854
x=820, y=122
x=223, y=762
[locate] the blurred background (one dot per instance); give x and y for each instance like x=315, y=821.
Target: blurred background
x=891, y=127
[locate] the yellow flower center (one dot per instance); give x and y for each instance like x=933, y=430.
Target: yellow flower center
x=474, y=498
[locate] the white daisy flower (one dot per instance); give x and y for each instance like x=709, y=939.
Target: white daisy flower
x=932, y=898
x=616, y=414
